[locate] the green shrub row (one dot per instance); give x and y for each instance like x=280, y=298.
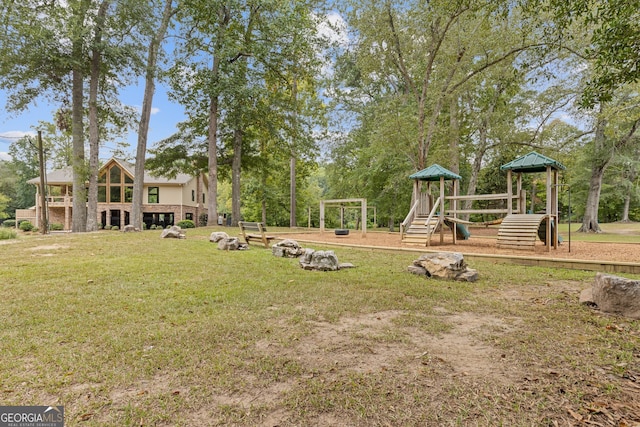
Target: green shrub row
x=186, y=223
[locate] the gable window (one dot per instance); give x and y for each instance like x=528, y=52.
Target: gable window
x=154, y=195
x=193, y=195
x=115, y=185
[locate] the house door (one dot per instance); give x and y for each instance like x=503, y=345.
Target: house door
x=115, y=217
x=103, y=219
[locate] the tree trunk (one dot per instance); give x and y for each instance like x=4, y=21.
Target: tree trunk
x=590, y=218
x=454, y=135
x=94, y=131
x=625, y=209
x=599, y=161
x=212, y=202
x=145, y=117
x=293, y=160
x=235, y=176
x=79, y=213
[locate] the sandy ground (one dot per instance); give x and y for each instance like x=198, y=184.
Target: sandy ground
x=483, y=240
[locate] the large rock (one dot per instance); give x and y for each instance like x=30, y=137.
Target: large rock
x=615, y=295
x=444, y=265
x=229, y=244
x=287, y=248
x=173, y=232
x=129, y=228
x=319, y=260
x=216, y=236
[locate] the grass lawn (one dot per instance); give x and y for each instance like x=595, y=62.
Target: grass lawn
x=127, y=329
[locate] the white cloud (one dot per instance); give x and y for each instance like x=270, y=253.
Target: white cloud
x=334, y=28
x=4, y=156
x=154, y=110
x=13, y=135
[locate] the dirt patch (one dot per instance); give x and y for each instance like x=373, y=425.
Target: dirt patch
x=48, y=248
x=375, y=342
x=483, y=241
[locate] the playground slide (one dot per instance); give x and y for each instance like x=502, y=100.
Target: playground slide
x=462, y=232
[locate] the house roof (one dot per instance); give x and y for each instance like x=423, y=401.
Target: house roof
x=65, y=175
x=532, y=162
x=433, y=173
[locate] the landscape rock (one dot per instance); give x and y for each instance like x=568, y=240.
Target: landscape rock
x=615, y=295
x=216, y=236
x=444, y=265
x=287, y=248
x=319, y=260
x=229, y=244
x=129, y=228
x=173, y=232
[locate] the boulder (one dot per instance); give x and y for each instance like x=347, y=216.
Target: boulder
x=615, y=295
x=444, y=265
x=229, y=244
x=216, y=236
x=319, y=260
x=174, y=232
x=287, y=248
x=129, y=228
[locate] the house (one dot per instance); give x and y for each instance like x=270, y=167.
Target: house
x=165, y=200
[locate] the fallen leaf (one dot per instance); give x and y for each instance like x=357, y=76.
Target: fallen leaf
x=85, y=417
x=575, y=415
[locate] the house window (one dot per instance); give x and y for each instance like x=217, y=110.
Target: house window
x=193, y=195
x=114, y=194
x=115, y=175
x=202, y=197
x=128, y=194
x=102, y=194
x=188, y=215
x=154, y=195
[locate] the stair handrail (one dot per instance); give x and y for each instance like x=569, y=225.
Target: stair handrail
x=433, y=211
x=431, y=214
x=408, y=219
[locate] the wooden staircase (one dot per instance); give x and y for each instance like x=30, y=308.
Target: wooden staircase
x=420, y=230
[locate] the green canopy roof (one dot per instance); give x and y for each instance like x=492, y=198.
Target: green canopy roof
x=433, y=173
x=532, y=162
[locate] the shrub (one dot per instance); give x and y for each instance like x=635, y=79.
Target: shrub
x=26, y=226
x=9, y=223
x=153, y=227
x=56, y=226
x=115, y=228
x=144, y=225
x=202, y=220
x=186, y=223
x=107, y=227
x=100, y=226
x=7, y=233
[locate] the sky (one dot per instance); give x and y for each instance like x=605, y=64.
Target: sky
x=165, y=116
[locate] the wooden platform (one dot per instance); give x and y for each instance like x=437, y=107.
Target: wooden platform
x=519, y=231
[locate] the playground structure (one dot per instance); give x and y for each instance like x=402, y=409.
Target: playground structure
x=341, y=203
x=518, y=229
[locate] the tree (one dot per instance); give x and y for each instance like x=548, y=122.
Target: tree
x=615, y=129
x=611, y=28
x=151, y=73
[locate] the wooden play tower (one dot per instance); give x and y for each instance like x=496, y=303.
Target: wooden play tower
x=518, y=229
